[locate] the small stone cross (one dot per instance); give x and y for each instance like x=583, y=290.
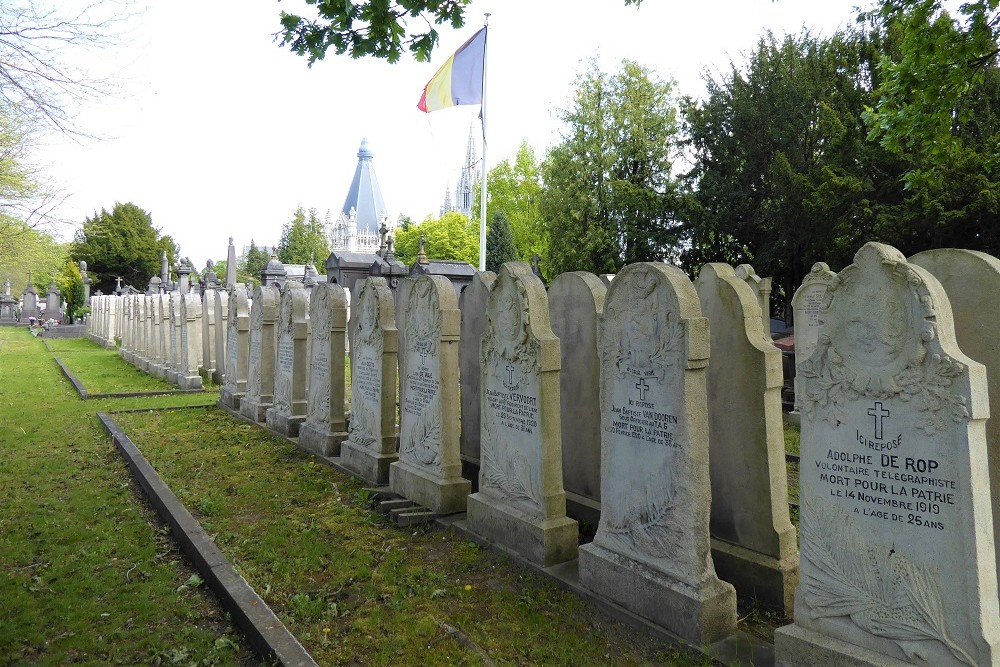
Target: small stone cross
x=643, y=387
x=879, y=413
x=510, y=374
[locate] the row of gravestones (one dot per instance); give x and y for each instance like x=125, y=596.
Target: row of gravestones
x=171, y=335
x=638, y=457
x=898, y=562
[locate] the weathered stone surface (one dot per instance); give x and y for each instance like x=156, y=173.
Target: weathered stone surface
x=208, y=333
x=237, y=347
x=521, y=504
x=753, y=546
x=972, y=282
x=221, y=307
x=260, y=368
x=174, y=365
x=429, y=469
x=576, y=300
x=325, y=427
x=806, y=304
x=897, y=555
x=371, y=444
x=473, y=306
x=291, y=362
x=651, y=553
x=190, y=345
x=163, y=336
x=761, y=288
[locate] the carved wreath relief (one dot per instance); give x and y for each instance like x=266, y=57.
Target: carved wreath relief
x=421, y=410
x=877, y=340
x=510, y=447
x=641, y=347
x=882, y=497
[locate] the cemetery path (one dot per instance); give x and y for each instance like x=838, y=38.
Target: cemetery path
x=86, y=573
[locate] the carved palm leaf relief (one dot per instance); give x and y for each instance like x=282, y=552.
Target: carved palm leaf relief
x=506, y=470
x=362, y=428
x=881, y=591
x=422, y=443
x=640, y=517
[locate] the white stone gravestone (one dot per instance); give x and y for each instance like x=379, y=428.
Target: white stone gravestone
x=221, y=307
x=291, y=366
x=325, y=427
x=576, y=300
x=237, y=347
x=521, y=504
x=190, y=345
x=753, y=540
x=473, y=306
x=429, y=469
x=371, y=444
x=806, y=304
x=897, y=555
x=972, y=281
x=260, y=365
x=652, y=551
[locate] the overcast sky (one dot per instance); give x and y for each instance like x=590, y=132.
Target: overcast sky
x=218, y=132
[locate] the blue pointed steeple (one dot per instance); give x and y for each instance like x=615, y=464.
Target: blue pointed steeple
x=365, y=197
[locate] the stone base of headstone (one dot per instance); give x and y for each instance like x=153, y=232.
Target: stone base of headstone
x=110, y=344
x=159, y=370
x=697, y=615
x=439, y=494
x=795, y=646
x=320, y=441
x=206, y=373
x=286, y=425
x=231, y=399
x=541, y=541
x=218, y=377
x=365, y=463
x=769, y=581
x=253, y=407
x=172, y=376
x=189, y=381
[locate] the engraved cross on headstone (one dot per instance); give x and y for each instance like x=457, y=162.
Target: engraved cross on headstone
x=643, y=387
x=510, y=374
x=879, y=413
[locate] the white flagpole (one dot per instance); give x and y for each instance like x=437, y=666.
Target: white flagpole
x=482, y=188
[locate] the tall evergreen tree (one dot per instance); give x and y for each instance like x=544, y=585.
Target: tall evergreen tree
x=121, y=243
x=499, y=243
x=252, y=264
x=609, y=199
x=303, y=239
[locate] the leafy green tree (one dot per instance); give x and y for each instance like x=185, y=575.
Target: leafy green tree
x=927, y=85
x=783, y=175
x=121, y=243
x=499, y=243
x=252, y=264
x=71, y=284
x=376, y=28
x=452, y=236
x=515, y=189
x=303, y=239
x=609, y=199
x=35, y=251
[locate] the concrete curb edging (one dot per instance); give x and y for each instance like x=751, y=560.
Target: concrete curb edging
x=265, y=631
x=85, y=395
x=73, y=380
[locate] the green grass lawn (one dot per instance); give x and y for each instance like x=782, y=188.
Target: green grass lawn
x=351, y=586
x=87, y=574
x=103, y=371
x=94, y=579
